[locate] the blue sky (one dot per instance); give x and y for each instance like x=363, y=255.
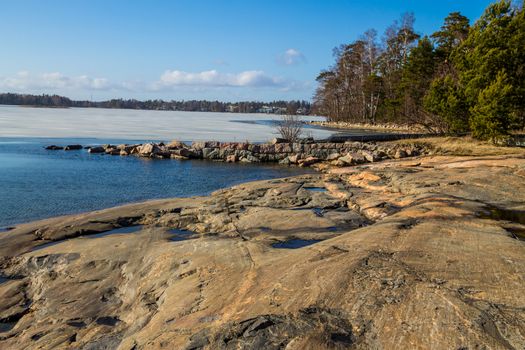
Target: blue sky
x=190, y=49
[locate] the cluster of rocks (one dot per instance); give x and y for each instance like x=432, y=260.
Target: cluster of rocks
x=66, y=148
x=305, y=153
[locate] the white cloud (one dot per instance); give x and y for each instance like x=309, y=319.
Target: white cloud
x=26, y=81
x=171, y=80
x=213, y=78
x=291, y=57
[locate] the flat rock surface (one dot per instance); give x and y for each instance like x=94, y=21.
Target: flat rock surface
x=420, y=253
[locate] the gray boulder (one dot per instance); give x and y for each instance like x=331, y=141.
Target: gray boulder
x=54, y=148
x=96, y=149
x=72, y=147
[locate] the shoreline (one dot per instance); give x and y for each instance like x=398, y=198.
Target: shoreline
x=338, y=251
x=387, y=127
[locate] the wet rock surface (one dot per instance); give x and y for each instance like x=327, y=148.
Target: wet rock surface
x=311, y=327
x=405, y=251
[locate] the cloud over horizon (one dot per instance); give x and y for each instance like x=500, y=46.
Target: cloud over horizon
x=24, y=81
x=183, y=82
x=213, y=78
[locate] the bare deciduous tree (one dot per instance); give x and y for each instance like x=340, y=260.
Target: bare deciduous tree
x=290, y=127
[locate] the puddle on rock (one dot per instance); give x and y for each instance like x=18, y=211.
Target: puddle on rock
x=295, y=243
x=6, y=326
x=517, y=232
x=126, y=229
x=516, y=217
x=494, y=213
x=180, y=234
x=107, y=321
x=6, y=229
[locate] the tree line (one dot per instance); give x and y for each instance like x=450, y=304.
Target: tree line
x=462, y=78
x=278, y=107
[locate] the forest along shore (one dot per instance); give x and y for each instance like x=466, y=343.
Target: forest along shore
x=364, y=256
x=304, y=153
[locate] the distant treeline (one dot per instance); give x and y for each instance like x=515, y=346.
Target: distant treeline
x=461, y=78
x=276, y=107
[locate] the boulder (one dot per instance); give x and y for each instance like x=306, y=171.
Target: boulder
x=198, y=145
x=277, y=140
x=54, y=148
x=241, y=146
x=232, y=158
x=126, y=148
x=345, y=160
x=184, y=152
x=210, y=153
x=412, y=152
x=212, y=144
x=283, y=148
x=370, y=156
x=176, y=144
x=266, y=148
x=149, y=149
x=351, y=159
x=294, y=159
x=178, y=157
x=250, y=159
x=135, y=149
x=333, y=156
x=400, y=153
x=297, y=147
x=308, y=161
x=96, y=149
x=112, y=151
x=72, y=147
x=285, y=161
x=380, y=154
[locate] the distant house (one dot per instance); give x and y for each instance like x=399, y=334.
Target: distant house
x=265, y=109
x=271, y=110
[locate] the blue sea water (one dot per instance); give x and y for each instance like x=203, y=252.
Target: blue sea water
x=36, y=183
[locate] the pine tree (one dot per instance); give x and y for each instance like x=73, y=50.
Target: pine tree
x=453, y=32
x=417, y=76
x=446, y=100
x=494, y=49
x=492, y=115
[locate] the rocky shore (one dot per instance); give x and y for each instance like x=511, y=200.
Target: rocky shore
x=304, y=153
x=387, y=127
x=424, y=252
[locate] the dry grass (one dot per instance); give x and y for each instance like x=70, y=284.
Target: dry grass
x=465, y=146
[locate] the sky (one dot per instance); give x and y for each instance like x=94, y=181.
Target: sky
x=191, y=49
